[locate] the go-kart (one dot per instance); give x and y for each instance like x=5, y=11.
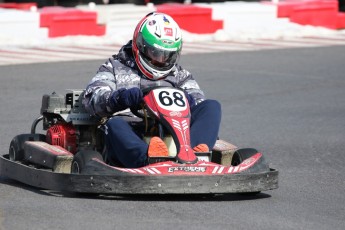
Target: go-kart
x=71, y=155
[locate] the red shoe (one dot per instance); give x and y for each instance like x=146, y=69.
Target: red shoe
x=157, y=148
x=201, y=148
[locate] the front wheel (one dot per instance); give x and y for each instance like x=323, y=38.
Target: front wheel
x=82, y=158
x=241, y=155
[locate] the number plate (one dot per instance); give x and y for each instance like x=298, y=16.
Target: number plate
x=171, y=99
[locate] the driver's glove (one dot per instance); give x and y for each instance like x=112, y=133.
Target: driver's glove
x=127, y=98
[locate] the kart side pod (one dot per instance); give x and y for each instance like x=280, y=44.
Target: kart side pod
x=48, y=156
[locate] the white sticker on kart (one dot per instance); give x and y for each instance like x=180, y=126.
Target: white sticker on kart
x=170, y=99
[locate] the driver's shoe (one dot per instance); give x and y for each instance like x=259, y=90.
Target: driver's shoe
x=157, y=148
x=201, y=148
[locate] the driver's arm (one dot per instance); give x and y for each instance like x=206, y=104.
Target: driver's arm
x=108, y=93
x=187, y=82
x=97, y=95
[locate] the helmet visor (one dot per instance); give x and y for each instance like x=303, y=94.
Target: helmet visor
x=156, y=58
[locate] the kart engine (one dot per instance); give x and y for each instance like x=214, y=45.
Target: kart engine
x=67, y=123
x=63, y=135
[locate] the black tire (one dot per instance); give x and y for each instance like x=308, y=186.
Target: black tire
x=241, y=155
x=261, y=166
x=82, y=158
x=16, y=149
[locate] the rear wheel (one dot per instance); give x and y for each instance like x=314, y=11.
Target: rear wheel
x=82, y=158
x=16, y=149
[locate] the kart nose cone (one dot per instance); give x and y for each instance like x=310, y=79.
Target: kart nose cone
x=186, y=155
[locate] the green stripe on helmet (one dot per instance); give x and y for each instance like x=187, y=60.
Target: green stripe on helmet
x=157, y=42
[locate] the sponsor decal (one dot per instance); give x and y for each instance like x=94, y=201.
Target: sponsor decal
x=166, y=21
x=168, y=31
x=152, y=22
x=175, y=114
x=167, y=42
x=186, y=169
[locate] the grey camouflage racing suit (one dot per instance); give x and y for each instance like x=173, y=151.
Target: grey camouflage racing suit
x=119, y=73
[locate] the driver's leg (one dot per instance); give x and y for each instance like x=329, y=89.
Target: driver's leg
x=205, y=122
x=124, y=145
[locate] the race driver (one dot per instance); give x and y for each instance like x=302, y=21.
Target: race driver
x=149, y=59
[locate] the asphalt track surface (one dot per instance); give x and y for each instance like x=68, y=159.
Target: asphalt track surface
x=289, y=104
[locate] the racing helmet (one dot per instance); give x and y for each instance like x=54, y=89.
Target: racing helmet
x=156, y=45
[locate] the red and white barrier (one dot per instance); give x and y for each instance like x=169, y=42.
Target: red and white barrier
x=323, y=13
x=220, y=21
x=192, y=18
x=62, y=21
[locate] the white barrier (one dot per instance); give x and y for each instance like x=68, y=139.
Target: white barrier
x=18, y=26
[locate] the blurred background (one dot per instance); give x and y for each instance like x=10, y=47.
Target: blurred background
x=72, y=3
x=42, y=3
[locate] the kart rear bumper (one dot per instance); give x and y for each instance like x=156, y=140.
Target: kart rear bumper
x=126, y=183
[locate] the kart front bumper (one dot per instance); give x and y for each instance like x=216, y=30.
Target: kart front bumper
x=125, y=183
